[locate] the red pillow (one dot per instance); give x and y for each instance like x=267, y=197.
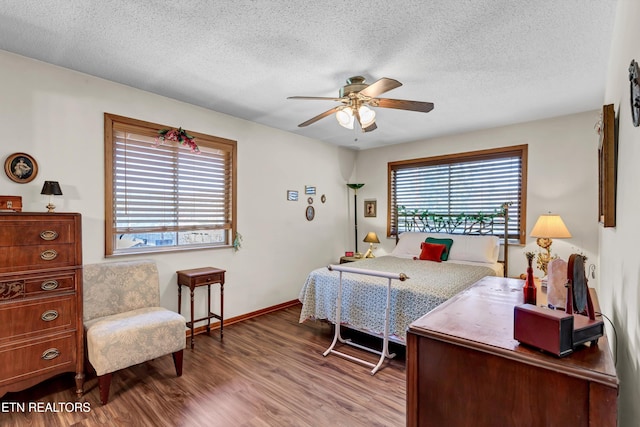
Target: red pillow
x=431, y=251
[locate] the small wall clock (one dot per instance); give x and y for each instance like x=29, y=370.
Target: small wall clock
x=634, y=92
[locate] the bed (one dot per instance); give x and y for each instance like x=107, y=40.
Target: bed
x=430, y=283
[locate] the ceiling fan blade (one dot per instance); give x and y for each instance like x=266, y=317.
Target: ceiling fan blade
x=321, y=98
x=319, y=116
x=402, y=104
x=379, y=87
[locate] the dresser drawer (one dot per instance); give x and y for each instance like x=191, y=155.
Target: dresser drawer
x=36, y=231
x=47, y=285
x=16, y=287
x=35, y=257
x=32, y=317
x=36, y=356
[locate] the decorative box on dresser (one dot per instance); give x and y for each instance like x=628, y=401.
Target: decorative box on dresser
x=464, y=368
x=40, y=299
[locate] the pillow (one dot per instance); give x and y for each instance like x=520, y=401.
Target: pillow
x=431, y=252
x=465, y=248
x=475, y=248
x=446, y=242
x=409, y=244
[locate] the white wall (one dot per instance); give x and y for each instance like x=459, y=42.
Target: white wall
x=562, y=178
x=620, y=264
x=56, y=115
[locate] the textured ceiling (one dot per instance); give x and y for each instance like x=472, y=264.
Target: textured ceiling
x=483, y=63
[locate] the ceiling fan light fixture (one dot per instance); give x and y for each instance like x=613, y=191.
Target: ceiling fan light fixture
x=367, y=116
x=345, y=117
x=357, y=97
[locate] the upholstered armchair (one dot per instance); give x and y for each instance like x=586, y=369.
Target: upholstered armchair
x=124, y=323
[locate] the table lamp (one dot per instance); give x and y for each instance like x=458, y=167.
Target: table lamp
x=51, y=188
x=548, y=227
x=371, y=238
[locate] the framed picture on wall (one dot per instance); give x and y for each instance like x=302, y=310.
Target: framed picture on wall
x=607, y=168
x=370, y=208
x=21, y=168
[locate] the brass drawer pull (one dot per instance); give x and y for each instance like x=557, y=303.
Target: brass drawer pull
x=49, y=315
x=50, y=354
x=49, y=255
x=49, y=285
x=49, y=235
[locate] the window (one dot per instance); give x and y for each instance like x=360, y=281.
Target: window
x=165, y=197
x=474, y=183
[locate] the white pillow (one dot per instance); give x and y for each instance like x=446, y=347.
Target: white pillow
x=465, y=247
x=475, y=248
x=409, y=244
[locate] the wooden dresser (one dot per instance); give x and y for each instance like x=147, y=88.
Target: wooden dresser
x=41, y=331
x=465, y=369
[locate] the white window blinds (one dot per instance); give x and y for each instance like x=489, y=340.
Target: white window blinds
x=169, y=188
x=165, y=196
x=466, y=184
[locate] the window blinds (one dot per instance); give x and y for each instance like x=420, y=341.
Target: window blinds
x=167, y=187
x=459, y=185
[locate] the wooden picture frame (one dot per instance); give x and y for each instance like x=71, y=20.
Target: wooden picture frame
x=310, y=213
x=607, y=168
x=21, y=168
x=370, y=208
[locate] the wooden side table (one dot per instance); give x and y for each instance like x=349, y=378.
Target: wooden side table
x=200, y=277
x=345, y=259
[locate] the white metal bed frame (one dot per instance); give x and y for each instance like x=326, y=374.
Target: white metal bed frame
x=384, y=354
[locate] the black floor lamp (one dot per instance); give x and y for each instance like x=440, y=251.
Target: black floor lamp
x=355, y=209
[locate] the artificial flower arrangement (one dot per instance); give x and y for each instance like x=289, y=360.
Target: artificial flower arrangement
x=180, y=136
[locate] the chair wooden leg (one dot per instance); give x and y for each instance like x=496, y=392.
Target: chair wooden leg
x=104, y=382
x=177, y=362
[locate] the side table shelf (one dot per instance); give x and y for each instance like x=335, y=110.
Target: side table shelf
x=200, y=277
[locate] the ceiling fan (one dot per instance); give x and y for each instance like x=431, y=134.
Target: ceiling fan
x=356, y=98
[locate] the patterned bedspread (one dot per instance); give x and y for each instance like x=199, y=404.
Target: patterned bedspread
x=364, y=297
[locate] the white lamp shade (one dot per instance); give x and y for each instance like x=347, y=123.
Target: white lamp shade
x=345, y=117
x=367, y=116
x=551, y=227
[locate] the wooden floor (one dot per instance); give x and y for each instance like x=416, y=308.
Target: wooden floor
x=268, y=372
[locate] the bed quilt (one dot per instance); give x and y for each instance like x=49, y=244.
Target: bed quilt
x=364, y=297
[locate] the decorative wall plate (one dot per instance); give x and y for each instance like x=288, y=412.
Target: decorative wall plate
x=323, y=198
x=21, y=168
x=310, y=213
x=310, y=200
